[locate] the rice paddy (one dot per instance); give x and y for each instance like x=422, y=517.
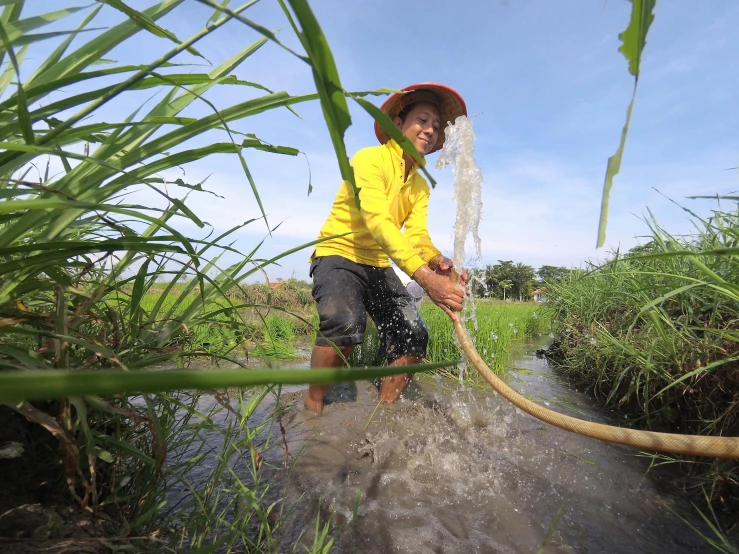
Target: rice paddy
x=494, y=326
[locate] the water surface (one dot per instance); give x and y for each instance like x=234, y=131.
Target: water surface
x=453, y=468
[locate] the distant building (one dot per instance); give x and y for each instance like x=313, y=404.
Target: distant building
x=539, y=294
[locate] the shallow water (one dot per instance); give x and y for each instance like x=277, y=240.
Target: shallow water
x=458, y=469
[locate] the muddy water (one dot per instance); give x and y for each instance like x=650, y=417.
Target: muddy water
x=455, y=469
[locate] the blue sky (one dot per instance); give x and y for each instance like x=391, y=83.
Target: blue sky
x=548, y=91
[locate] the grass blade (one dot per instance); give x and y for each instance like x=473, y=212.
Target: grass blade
x=328, y=85
x=633, y=41
x=148, y=23
x=23, y=117
x=20, y=385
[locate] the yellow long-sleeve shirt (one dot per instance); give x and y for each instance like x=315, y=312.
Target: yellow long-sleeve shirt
x=388, y=203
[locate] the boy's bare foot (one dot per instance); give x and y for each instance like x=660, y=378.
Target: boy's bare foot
x=313, y=405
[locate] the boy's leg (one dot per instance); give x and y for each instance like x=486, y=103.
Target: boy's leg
x=392, y=386
x=399, y=322
x=323, y=356
x=338, y=289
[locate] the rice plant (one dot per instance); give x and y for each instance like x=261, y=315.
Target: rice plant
x=493, y=327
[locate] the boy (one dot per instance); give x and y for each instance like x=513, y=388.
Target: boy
x=352, y=276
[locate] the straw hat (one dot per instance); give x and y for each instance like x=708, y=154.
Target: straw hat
x=450, y=104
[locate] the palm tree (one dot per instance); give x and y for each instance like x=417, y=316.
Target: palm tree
x=505, y=285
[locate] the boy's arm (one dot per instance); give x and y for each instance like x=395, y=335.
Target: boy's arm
x=375, y=210
x=416, y=229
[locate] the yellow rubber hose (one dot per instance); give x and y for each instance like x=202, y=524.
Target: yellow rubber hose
x=694, y=445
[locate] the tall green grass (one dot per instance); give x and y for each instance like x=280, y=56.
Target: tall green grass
x=654, y=333
x=78, y=256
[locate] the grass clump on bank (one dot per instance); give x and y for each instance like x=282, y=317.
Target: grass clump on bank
x=655, y=335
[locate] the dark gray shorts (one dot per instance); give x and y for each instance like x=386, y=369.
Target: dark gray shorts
x=346, y=292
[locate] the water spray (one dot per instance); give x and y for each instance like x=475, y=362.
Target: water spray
x=459, y=152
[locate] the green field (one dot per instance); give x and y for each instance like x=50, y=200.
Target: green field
x=232, y=326
x=493, y=326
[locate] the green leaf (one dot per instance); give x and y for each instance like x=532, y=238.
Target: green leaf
x=23, y=116
x=633, y=40
x=634, y=37
x=38, y=91
x=266, y=147
x=217, y=12
x=105, y=456
x=724, y=251
x=28, y=358
x=148, y=23
x=180, y=183
x=612, y=169
x=26, y=385
x=38, y=37
x=328, y=85
x=21, y=27
x=10, y=71
x=36, y=149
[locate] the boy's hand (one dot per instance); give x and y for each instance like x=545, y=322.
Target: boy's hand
x=440, y=289
x=441, y=265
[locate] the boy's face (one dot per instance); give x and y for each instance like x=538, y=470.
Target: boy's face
x=422, y=126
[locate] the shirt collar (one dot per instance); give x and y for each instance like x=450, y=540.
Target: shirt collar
x=395, y=148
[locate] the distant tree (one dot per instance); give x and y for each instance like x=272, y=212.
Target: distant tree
x=551, y=274
x=505, y=285
x=519, y=276
x=523, y=277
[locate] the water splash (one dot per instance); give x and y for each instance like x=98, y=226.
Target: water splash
x=459, y=152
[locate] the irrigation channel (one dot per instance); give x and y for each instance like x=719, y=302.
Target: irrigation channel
x=455, y=468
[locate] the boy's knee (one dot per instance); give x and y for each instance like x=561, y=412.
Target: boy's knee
x=341, y=323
